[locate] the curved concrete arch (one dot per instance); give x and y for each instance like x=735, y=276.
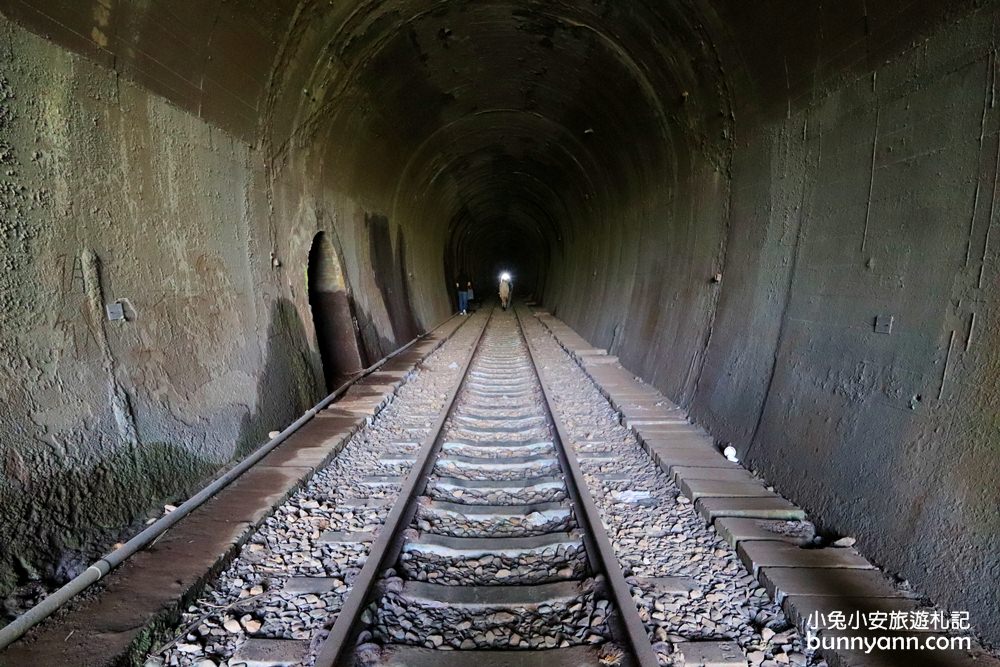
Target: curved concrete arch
x=731, y=194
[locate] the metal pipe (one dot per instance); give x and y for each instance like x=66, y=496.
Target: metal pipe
x=16, y=629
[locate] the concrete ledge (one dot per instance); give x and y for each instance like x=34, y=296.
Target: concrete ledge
x=373, y=391
x=709, y=488
x=780, y=582
x=593, y=359
x=752, y=508
x=669, y=452
x=766, y=530
x=676, y=439
x=758, y=554
x=676, y=429
x=735, y=530
x=799, y=608
x=734, y=474
x=383, y=376
x=668, y=459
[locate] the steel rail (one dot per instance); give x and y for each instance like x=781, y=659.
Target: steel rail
x=388, y=543
x=590, y=515
x=98, y=570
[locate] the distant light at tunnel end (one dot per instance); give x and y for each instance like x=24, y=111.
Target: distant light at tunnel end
x=504, y=276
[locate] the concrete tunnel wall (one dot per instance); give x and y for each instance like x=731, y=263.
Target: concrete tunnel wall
x=837, y=165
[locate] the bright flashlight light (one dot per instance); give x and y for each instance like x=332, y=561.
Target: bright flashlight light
x=504, y=276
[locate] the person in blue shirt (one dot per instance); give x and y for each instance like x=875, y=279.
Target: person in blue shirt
x=463, y=294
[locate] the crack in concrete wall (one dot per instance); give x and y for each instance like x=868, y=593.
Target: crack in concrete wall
x=118, y=398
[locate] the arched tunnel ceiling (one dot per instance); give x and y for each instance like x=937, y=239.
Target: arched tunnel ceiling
x=248, y=66
x=529, y=118
x=539, y=115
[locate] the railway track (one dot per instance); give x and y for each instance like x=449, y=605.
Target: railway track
x=493, y=554
x=465, y=525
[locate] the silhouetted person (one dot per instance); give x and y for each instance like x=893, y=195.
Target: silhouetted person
x=470, y=295
x=463, y=295
x=505, y=290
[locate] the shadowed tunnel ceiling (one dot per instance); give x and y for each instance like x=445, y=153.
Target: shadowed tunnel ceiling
x=779, y=213
x=505, y=127
x=485, y=125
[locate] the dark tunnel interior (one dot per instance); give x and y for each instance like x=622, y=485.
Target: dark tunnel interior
x=777, y=213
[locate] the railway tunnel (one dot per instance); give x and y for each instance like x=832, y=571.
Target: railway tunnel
x=776, y=215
